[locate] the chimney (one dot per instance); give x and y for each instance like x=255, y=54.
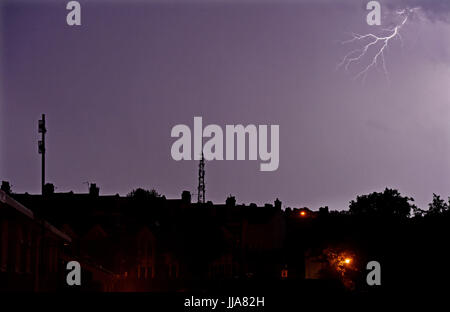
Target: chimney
x=277, y=204
x=49, y=189
x=186, y=197
x=94, y=190
x=231, y=201
x=6, y=187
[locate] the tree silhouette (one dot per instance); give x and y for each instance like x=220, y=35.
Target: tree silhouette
x=438, y=206
x=141, y=194
x=387, y=204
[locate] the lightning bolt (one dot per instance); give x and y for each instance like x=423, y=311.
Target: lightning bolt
x=377, y=43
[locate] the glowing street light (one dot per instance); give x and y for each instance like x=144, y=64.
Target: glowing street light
x=303, y=213
x=347, y=260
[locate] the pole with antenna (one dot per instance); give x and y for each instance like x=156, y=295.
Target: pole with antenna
x=41, y=146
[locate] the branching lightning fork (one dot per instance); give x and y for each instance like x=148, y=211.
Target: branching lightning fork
x=379, y=43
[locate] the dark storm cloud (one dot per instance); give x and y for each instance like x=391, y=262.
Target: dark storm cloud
x=434, y=10
x=112, y=90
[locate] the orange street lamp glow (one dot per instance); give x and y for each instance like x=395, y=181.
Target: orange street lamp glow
x=347, y=260
x=302, y=213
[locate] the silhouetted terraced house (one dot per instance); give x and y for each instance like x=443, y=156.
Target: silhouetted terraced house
x=143, y=265
x=264, y=237
x=34, y=253
x=116, y=233
x=154, y=243
x=145, y=242
x=30, y=249
x=252, y=233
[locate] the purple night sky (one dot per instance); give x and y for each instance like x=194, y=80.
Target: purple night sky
x=113, y=88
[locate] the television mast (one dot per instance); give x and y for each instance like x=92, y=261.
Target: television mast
x=201, y=180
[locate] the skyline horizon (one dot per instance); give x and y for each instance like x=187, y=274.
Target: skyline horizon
x=216, y=201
